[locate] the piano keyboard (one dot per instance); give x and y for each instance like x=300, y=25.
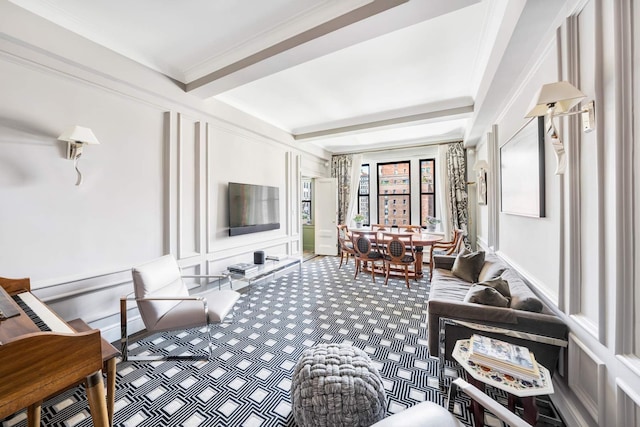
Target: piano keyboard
x=40, y=314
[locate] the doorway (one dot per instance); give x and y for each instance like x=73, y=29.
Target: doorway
x=308, y=226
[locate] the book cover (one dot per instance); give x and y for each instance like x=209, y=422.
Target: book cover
x=500, y=353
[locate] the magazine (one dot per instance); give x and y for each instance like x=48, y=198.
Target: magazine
x=504, y=357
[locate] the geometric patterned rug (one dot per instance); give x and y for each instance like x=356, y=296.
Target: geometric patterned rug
x=247, y=381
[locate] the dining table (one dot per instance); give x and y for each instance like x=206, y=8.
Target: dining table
x=420, y=241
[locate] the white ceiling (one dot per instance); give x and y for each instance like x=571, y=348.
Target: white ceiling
x=346, y=75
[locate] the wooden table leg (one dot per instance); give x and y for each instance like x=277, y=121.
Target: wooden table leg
x=97, y=402
x=530, y=409
x=476, y=407
x=419, y=260
x=33, y=414
x=511, y=402
x=111, y=387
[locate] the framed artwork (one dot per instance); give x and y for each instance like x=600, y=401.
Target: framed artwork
x=482, y=187
x=522, y=171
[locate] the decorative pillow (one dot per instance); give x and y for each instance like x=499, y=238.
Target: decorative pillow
x=486, y=295
x=491, y=270
x=467, y=265
x=500, y=285
x=527, y=303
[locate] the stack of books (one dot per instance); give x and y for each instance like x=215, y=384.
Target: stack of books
x=504, y=357
x=243, y=268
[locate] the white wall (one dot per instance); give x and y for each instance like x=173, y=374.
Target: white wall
x=156, y=184
x=578, y=258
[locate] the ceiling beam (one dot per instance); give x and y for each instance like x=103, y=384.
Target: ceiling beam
x=356, y=15
x=367, y=126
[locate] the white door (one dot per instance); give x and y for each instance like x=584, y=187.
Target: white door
x=326, y=215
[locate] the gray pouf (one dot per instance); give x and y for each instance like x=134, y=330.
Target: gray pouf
x=336, y=385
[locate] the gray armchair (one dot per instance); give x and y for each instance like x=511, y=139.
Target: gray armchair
x=165, y=304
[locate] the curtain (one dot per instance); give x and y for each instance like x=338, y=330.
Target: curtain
x=457, y=183
x=444, y=196
x=341, y=168
x=356, y=165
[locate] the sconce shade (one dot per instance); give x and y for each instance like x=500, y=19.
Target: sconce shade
x=481, y=165
x=563, y=95
x=79, y=134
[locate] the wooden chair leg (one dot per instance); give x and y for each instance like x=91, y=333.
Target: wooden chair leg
x=33, y=414
x=387, y=272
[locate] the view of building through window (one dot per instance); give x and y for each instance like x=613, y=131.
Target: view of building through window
x=363, y=194
x=427, y=190
x=306, y=201
x=394, y=193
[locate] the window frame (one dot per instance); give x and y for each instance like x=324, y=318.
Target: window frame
x=381, y=194
x=423, y=221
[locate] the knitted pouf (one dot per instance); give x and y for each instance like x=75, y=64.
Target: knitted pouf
x=336, y=385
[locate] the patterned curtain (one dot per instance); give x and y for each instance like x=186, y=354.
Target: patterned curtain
x=341, y=167
x=456, y=168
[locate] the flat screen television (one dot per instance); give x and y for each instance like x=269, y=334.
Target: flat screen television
x=253, y=208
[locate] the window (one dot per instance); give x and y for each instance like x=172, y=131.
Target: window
x=427, y=190
x=306, y=201
x=363, y=194
x=394, y=187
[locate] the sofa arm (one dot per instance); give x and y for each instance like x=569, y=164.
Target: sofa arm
x=517, y=320
x=444, y=261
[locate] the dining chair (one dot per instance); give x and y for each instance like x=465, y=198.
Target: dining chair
x=380, y=227
x=410, y=228
x=399, y=252
x=346, y=245
x=446, y=248
x=366, y=252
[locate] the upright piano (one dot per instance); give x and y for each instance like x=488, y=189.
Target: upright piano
x=41, y=355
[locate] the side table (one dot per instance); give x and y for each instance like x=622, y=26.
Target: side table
x=480, y=376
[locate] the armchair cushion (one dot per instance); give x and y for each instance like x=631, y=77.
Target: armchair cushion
x=420, y=415
x=467, y=265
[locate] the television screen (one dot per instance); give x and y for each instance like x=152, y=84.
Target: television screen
x=253, y=208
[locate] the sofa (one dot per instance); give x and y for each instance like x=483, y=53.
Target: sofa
x=467, y=292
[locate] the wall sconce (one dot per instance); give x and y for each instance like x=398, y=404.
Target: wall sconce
x=77, y=137
x=555, y=100
x=481, y=167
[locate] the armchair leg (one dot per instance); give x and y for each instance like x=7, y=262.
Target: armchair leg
x=123, y=329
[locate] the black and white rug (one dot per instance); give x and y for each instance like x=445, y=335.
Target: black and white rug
x=248, y=379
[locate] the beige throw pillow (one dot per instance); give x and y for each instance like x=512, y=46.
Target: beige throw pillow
x=467, y=265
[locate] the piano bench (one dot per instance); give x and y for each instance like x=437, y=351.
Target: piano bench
x=109, y=354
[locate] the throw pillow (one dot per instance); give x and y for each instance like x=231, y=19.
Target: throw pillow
x=486, y=295
x=526, y=303
x=467, y=265
x=490, y=270
x=499, y=284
